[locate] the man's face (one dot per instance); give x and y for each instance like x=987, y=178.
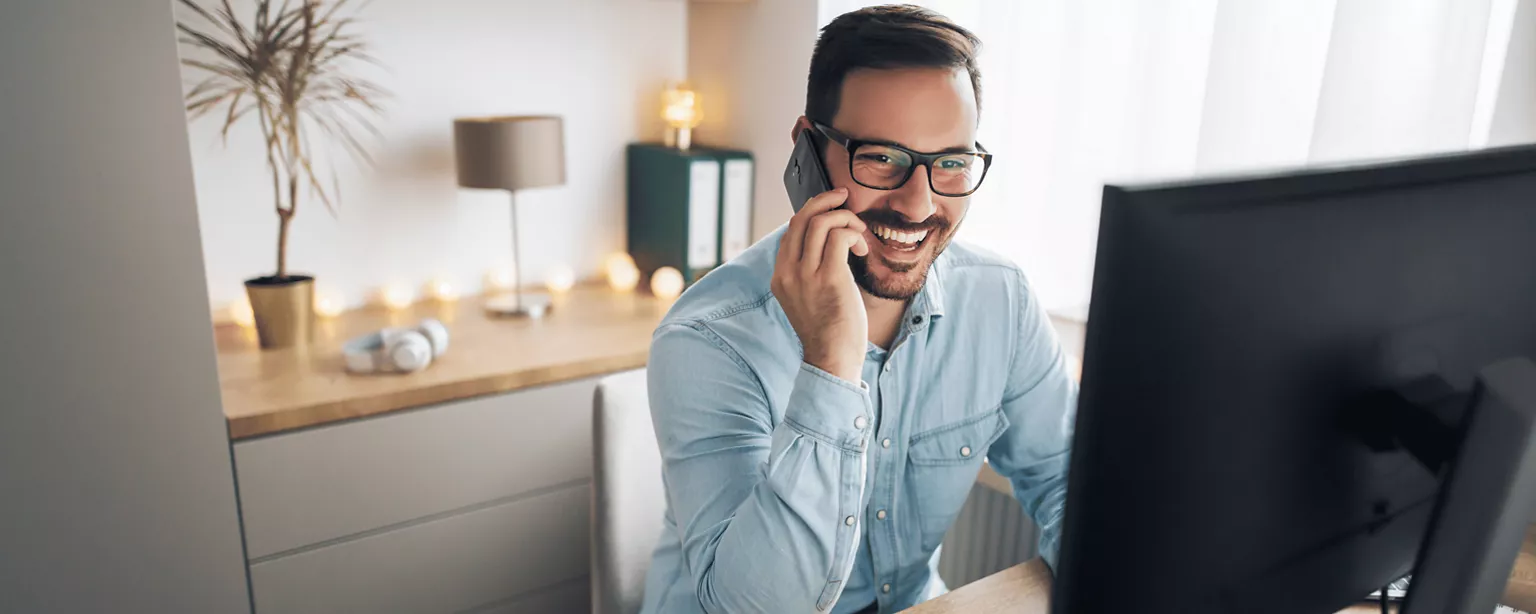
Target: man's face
x=921, y=109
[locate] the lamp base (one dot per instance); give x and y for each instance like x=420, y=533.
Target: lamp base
x=531, y=306
x=681, y=138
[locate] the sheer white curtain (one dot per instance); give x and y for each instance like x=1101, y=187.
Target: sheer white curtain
x=1077, y=93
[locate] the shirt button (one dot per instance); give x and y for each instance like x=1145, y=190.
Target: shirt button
x=917, y=319
x=965, y=451
x=885, y=588
x=880, y=514
x=860, y=422
x=887, y=368
x=849, y=521
x=885, y=443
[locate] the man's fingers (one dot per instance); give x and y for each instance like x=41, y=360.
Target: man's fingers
x=794, y=239
x=861, y=248
x=816, y=236
x=823, y=202
x=800, y=223
x=785, y=258
x=840, y=242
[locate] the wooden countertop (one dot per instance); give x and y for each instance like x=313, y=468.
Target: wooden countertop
x=590, y=331
x=1026, y=589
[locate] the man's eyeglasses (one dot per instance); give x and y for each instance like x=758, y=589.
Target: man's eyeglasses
x=883, y=166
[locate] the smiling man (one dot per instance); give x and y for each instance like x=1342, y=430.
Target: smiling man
x=824, y=401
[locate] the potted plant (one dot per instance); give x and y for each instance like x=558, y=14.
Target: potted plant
x=286, y=67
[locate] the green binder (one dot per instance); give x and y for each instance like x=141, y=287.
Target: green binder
x=688, y=209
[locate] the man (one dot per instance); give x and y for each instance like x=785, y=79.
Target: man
x=824, y=401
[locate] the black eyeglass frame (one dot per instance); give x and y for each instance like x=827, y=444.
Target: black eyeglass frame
x=925, y=160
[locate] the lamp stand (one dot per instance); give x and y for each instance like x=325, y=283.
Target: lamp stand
x=681, y=138
x=518, y=305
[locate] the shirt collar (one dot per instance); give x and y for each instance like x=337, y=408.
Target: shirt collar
x=929, y=302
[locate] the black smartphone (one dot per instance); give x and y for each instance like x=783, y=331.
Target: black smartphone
x=804, y=176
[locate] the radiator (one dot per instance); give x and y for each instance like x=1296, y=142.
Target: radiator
x=991, y=534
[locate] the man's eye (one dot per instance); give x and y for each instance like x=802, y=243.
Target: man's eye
x=878, y=158
x=952, y=164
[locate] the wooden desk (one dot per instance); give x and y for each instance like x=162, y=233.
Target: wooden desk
x=591, y=331
x=1025, y=589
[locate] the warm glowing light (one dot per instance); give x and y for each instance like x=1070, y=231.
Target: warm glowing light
x=667, y=282
x=500, y=279
x=240, y=312
x=399, y=296
x=623, y=275
x=328, y=305
x=680, y=107
x=561, y=278
x=442, y=290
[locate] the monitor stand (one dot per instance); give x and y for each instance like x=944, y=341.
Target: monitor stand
x=1487, y=497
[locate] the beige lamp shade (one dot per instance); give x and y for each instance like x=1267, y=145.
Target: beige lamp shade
x=510, y=153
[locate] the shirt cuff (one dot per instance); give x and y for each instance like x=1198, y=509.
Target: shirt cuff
x=830, y=408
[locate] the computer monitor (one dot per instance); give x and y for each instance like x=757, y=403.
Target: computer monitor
x=1297, y=385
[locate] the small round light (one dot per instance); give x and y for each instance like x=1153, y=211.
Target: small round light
x=240, y=312
x=443, y=290
x=667, y=282
x=399, y=296
x=328, y=305
x=623, y=275
x=560, y=280
x=500, y=279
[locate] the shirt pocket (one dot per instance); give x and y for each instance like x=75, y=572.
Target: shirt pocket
x=942, y=466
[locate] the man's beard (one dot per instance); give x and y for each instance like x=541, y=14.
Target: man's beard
x=940, y=231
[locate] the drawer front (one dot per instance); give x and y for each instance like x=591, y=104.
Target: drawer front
x=573, y=597
x=468, y=562
x=312, y=486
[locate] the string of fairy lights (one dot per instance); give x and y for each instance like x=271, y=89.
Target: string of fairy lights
x=619, y=270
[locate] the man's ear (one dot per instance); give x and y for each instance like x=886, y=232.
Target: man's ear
x=801, y=125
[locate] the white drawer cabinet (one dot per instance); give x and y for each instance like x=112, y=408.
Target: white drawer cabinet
x=444, y=566
x=437, y=509
x=335, y=481
x=574, y=597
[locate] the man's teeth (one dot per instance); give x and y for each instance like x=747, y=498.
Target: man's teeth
x=899, y=236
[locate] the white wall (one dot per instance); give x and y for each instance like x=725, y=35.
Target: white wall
x=1401, y=78
x=748, y=62
x=600, y=63
x=116, y=487
x=1079, y=93
x=1514, y=114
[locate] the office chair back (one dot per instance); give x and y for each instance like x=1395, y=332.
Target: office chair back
x=628, y=500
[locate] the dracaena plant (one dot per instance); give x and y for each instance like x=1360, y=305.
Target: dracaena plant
x=287, y=66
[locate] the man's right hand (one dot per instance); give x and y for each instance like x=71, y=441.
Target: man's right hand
x=815, y=287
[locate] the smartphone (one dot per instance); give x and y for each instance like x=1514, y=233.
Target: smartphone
x=804, y=176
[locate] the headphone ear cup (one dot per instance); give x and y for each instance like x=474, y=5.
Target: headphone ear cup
x=435, y=333
x=409, y=351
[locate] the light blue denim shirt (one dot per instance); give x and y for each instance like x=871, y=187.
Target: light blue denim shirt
x=790, y=490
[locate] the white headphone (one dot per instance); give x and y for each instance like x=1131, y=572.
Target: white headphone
x=397, y=350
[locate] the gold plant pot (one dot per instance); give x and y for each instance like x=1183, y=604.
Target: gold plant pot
x=283, y=309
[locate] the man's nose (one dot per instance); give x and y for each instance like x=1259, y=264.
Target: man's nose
x=914, y=200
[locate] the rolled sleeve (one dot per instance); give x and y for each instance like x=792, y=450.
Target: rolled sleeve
x=767, y=514
x=1041, y=406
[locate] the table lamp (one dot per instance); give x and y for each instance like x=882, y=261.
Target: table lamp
x=680, y=109
x=511, y=153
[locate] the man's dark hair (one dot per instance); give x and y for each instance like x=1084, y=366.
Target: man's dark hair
x=889, y=36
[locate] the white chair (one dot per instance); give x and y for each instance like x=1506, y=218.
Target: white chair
x=628, y=500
